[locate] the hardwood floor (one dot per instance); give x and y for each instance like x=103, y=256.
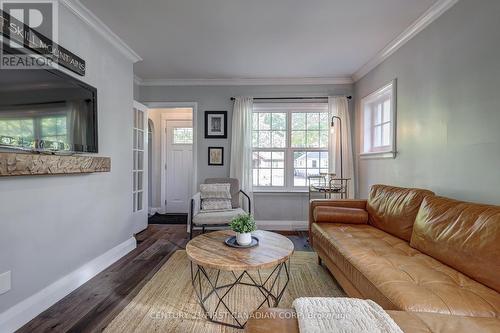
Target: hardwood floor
x=93, y=306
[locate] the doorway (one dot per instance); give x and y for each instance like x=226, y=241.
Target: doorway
x=173, y=172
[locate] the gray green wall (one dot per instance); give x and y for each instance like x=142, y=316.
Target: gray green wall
x=448, y=125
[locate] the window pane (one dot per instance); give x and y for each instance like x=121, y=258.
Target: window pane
x=312, y=172
x=299, y=159
x=264, y=121
x=313, y=139
x=323, y=139
x=139, y=201
x=139, y=181
x=324, y=121
x=377, y=136
x=278, y=160
x=298, y=121
x=378, y=114
x=386, y=138
x=279, y=121
x=278, y=178
x=140, y=160
x=255, y=121
x=387, y=111
x=298, y=139
x=264, y=159
x=279, y=139
x=183, y=135
x=313, y=121
x=255, y=139
x=264, y=177
x=324, y=161
x=140, y=140
x=264, y=139
x=299, y=177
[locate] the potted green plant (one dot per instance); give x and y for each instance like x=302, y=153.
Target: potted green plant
x=243, y=225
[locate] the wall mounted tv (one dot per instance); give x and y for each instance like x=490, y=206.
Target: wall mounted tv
x=47, y=111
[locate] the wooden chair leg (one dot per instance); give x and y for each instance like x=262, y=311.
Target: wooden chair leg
x=203, y=229
x=319, y=260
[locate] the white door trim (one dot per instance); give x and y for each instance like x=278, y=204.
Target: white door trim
x=173, y=105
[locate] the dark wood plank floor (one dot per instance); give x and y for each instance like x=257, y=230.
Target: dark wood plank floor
x=93, y=306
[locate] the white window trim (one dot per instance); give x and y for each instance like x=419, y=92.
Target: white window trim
x=288, y=150
x=391, y=150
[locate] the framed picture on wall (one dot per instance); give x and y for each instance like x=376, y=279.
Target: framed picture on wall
x=215, y=124
x=215, y=155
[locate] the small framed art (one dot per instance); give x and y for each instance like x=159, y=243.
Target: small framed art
x=215, y=155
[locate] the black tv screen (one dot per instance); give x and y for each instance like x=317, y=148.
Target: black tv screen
x=47, y=111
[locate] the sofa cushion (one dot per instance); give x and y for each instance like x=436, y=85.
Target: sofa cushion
x=462, y=235
x=389, y=271
x=393, y=209
x=340, y=215
x=217, y=217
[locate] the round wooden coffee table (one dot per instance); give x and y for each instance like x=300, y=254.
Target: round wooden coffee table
x=208, y=252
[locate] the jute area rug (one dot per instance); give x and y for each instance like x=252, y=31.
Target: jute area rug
x=168, y=303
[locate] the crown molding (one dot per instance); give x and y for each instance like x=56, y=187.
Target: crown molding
x=418, y=25
x=245, y=82
x=94, y=22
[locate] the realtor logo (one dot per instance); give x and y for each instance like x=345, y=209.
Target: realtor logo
x=29, y=30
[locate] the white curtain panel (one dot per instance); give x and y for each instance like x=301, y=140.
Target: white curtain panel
x=241, y=144
x=339, y=106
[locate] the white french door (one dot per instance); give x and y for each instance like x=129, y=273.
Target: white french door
x=140, y=167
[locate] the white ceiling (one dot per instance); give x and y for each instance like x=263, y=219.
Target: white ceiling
x=226, y=39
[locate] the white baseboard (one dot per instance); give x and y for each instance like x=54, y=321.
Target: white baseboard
x=21, y=313
x=283, y=225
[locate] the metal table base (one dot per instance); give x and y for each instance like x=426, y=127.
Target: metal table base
x=271, y=290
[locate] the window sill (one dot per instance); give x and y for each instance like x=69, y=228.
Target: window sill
x=378, y=155
x=257, y=192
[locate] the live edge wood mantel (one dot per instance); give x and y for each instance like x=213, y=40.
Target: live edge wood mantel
x=22, y=164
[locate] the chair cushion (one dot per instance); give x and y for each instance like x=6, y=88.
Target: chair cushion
x=462, y=235
x=393, y=209
x=215, y=191
x=389, y=271
x=234, y=188
x=217, y=217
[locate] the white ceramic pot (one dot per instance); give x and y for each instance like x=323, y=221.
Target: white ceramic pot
x=244, y=239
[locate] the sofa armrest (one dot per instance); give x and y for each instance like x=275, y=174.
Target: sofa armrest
x=342, y=203
x=328, y=214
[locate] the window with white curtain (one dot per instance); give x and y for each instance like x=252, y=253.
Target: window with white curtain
x=290, y=143
x=378, y=111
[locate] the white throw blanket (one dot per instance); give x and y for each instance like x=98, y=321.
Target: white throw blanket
x=342, y=315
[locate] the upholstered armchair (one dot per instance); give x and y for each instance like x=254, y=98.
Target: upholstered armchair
x=200, y=219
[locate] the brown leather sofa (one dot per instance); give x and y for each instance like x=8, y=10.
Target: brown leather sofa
x=409, y=250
